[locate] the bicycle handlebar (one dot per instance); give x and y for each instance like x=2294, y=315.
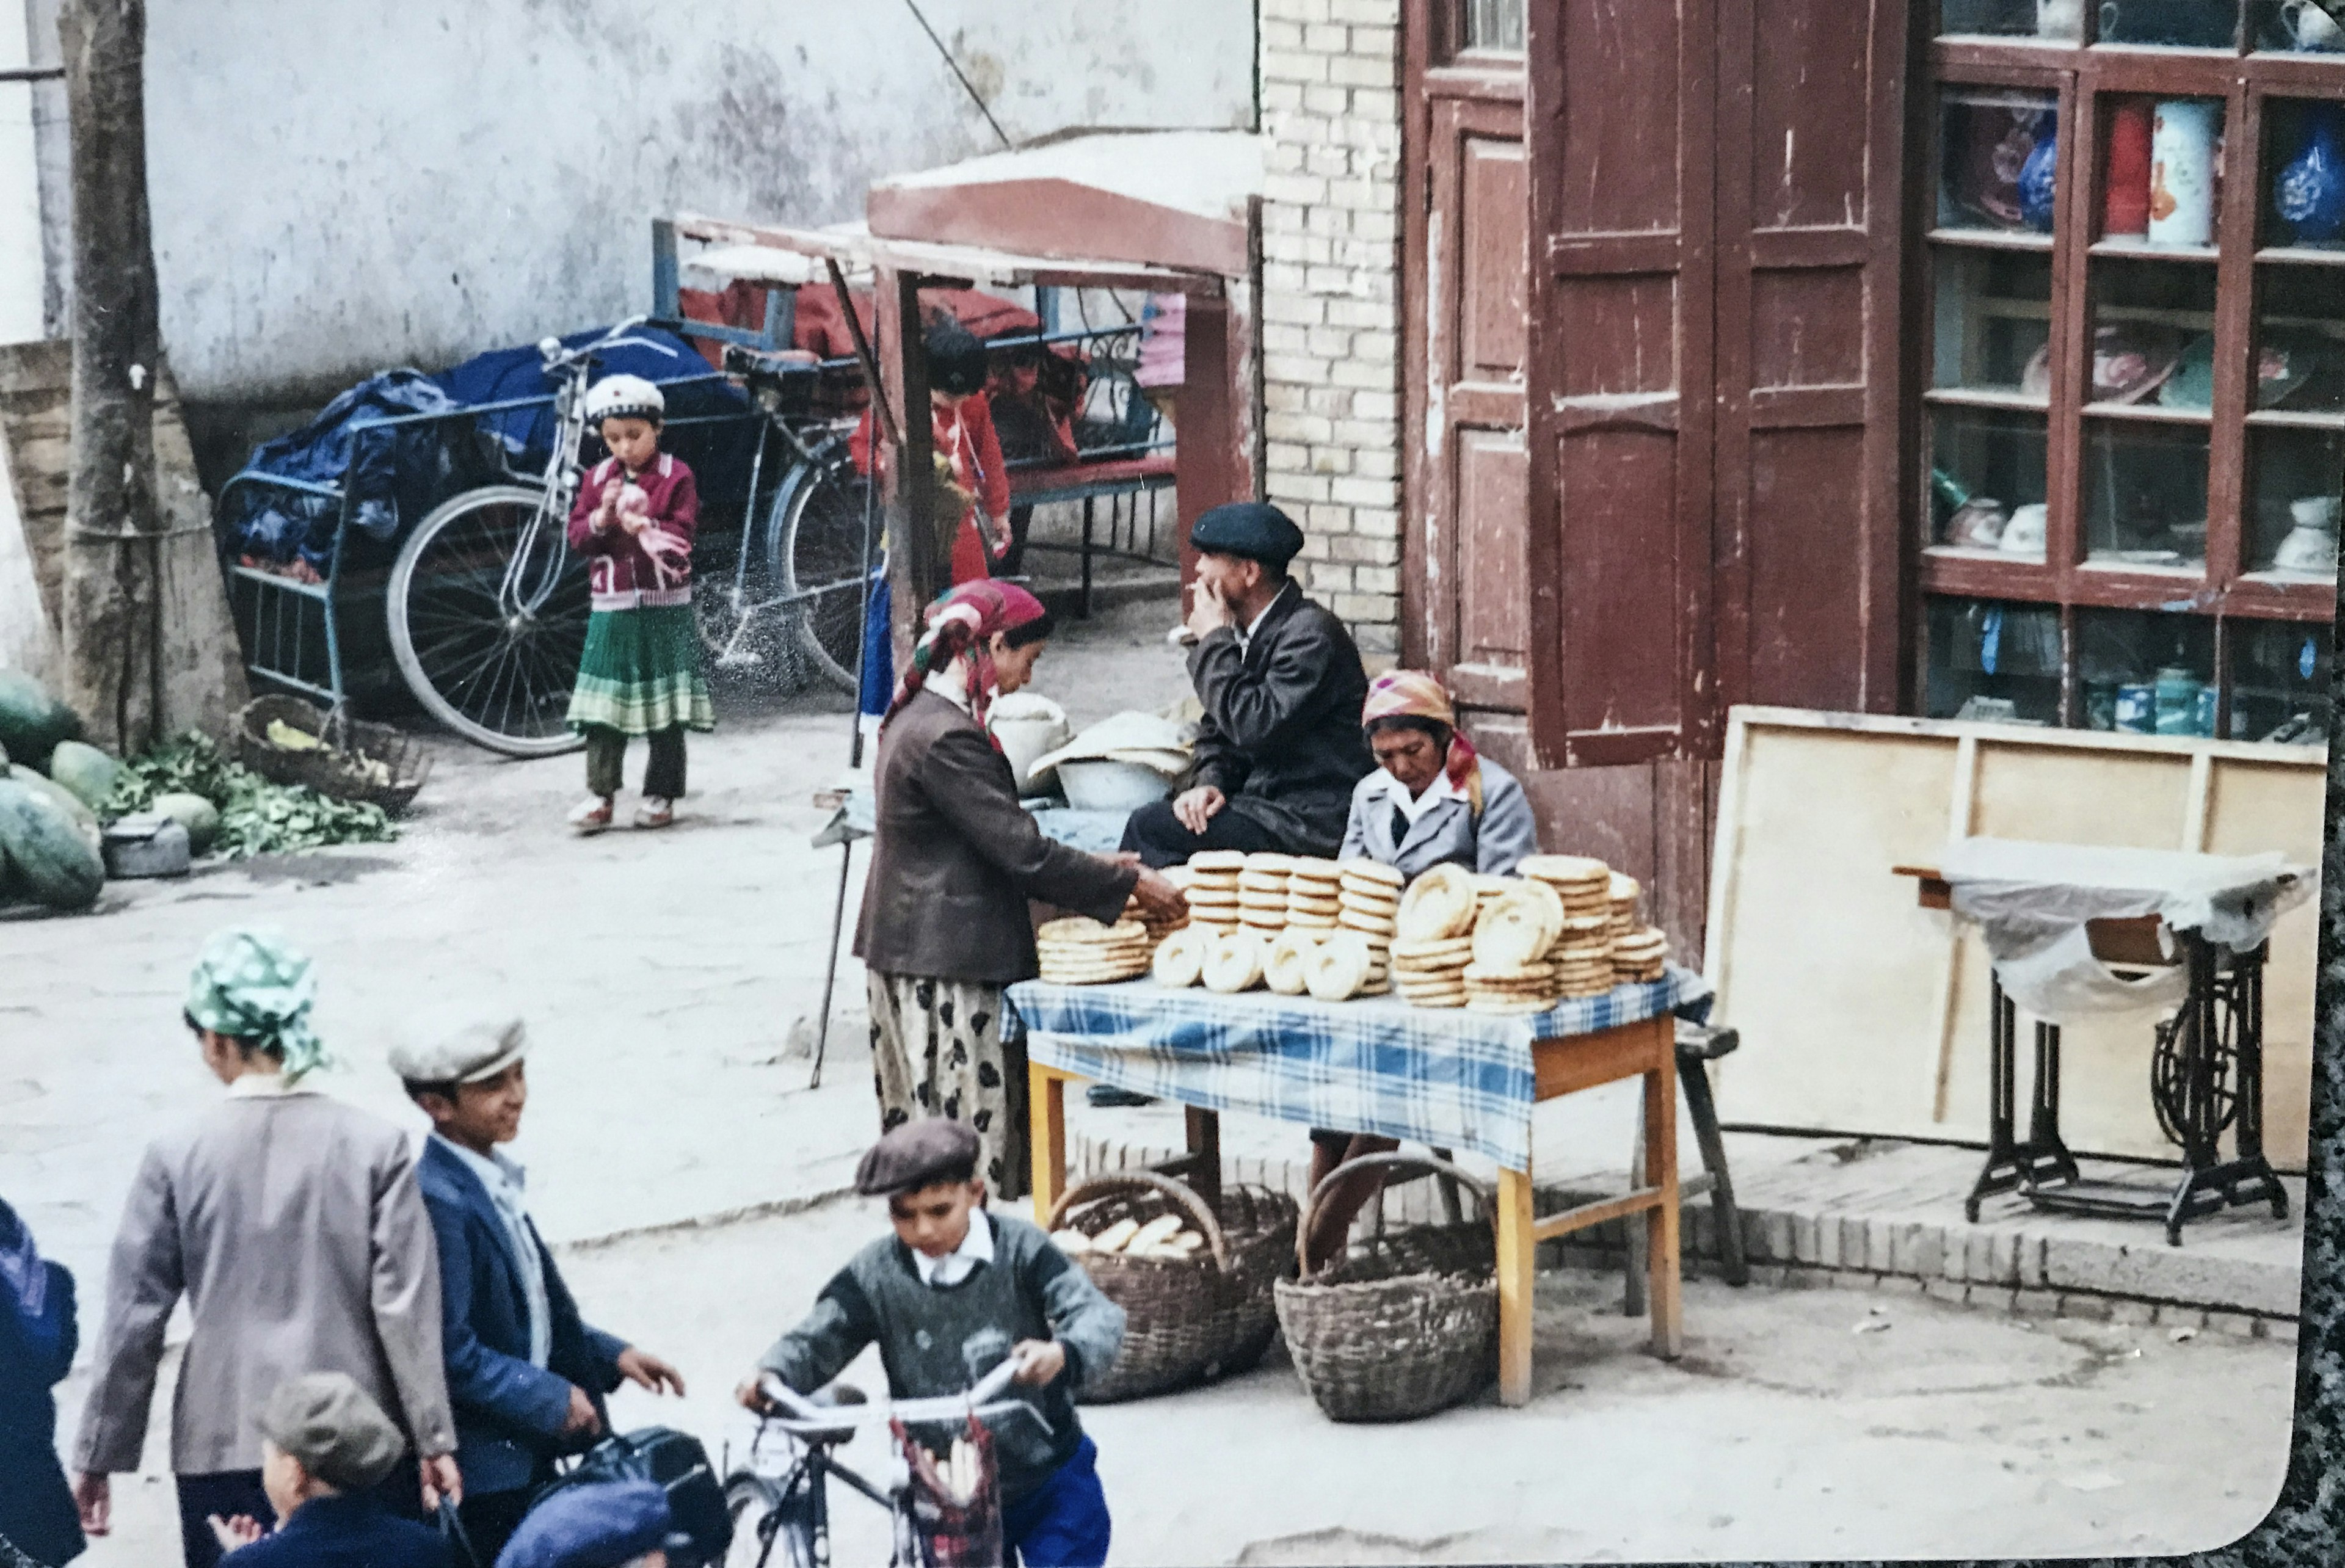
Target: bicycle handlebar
x=556, y=357
x=983, y=1400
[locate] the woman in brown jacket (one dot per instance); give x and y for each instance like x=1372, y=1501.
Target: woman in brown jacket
x=944, y=925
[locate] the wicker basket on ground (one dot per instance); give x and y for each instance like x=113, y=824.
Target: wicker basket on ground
x=340, y=766
x=1402, y=1325
x=1192, y=1321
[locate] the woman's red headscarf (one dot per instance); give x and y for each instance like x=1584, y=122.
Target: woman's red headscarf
x=1413, y=694
x=963, y=621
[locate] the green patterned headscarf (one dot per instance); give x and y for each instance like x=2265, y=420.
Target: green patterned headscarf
x=249, y=986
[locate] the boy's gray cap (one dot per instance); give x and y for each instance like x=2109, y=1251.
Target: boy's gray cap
x=340, y=1436
x=915, y=1155
x=471, y=1053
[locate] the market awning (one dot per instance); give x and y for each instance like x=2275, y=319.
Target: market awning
x=1166, y=211
x=858, y=250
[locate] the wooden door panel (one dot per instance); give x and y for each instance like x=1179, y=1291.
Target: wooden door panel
x=1619, y=119
x=1494, y=612
x=1806, y=596
x=1808, y=128
x=1492, y=219
x=1807, y=327
x=1462, y=546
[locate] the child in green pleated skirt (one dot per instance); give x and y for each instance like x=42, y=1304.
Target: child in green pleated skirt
x=640, y=674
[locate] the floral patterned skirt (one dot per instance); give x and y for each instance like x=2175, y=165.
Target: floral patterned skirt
x=937, y=1048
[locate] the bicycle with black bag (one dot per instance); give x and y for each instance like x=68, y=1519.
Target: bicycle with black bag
x=674, y=1461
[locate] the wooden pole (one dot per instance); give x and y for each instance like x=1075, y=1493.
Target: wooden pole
x=112, y=616
x=917, y=571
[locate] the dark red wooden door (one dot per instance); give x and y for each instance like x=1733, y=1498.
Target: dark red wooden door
x=1810, y=101
x=1619, y=128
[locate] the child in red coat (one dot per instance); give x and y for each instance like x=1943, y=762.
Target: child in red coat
x=640, y=674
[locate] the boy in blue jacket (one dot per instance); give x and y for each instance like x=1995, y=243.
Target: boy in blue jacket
x=526, y=1375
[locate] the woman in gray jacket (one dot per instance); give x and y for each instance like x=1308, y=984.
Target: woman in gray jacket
x=293, y=1226
x=1432, y=801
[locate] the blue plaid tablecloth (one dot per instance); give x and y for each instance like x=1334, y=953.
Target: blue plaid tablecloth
x=1443, y=1077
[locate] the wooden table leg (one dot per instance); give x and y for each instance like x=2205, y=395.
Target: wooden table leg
x=1517, y=1250
x=1047, y=1137
x=1204, y=1128
x=1661, y=1263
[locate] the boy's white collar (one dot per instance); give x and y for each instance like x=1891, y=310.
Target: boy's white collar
x=959, y=1264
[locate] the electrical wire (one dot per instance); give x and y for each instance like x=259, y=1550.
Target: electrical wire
x=954, y=66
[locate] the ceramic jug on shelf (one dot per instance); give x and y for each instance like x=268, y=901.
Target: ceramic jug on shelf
x=2308, y=192
x=2311, y=545
x=2309, y=26
x=2184, y=134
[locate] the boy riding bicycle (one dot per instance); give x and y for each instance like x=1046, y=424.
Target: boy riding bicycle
x=954, y=1292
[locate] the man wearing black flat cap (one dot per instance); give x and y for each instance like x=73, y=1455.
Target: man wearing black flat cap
x=1281, y=681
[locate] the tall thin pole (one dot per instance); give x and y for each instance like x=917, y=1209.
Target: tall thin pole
x=112, y=611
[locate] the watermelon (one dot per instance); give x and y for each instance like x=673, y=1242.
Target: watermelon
x=199, y=817
x=66, y=801
x=50, y=861
x=89, y=772
x=31, y=722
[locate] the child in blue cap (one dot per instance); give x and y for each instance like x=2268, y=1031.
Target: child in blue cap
x=615, y=1524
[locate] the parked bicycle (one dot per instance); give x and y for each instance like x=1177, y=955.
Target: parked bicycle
x=780, y=1502
x=487, y=604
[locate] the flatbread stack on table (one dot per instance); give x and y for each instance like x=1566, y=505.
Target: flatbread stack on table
x=1367, y=900
x=1212, y=885
x=1513, y=935
x=1433, y=939
x=1079, y=951
x=1158, y=927
x=1262, y=892
x=1640, y=958
x=1623, y=894
x=1314, y=890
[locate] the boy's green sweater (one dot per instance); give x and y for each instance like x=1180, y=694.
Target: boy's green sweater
x=936, y=1342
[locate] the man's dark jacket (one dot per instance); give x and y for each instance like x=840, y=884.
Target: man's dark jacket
x=1281, y=735
x=508, y=1414
x=36, y=1508
x=956, y=857
x=345, y=1532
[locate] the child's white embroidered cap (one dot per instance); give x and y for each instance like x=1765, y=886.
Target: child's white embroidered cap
x=624, y=398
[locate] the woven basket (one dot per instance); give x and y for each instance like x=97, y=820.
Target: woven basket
x=329, y=771
x=1402, y=1325
x=1192, y=1321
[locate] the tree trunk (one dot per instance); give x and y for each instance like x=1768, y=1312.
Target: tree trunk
x=112, y=621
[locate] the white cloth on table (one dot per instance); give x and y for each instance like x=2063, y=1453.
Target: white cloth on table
x=2031, y=902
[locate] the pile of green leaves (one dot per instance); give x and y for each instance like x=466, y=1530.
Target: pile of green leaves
x=258, y=816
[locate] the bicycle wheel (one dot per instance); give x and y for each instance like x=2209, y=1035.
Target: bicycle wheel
x=814, y=541
x=490, y=645
x=764, y=1534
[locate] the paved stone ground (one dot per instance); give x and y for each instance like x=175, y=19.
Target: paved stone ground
x=1833, y=1424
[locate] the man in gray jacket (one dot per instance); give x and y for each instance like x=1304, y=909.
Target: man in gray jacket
x=293, y=1226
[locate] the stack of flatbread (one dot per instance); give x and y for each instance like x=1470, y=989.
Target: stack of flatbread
x=1262, y=893
x=1312, y=894
x=1623, y=893
x=1212, y=888
x=1512, y=937
x=1641, y=956
x=1368, y=901
x=1159, y=926
x=1433, y=937
x=1582, y=954
x=1079, y=951
x=1486, y=888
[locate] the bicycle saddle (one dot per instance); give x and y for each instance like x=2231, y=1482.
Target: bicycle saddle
x=838, y=1396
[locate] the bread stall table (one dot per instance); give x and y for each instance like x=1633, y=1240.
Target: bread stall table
x=1449, y=1078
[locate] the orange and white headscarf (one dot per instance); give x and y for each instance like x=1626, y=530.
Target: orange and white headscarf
x=1413, y=694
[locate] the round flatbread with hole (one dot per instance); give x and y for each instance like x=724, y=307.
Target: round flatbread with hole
x=1438, y=904
x=1234, y=964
